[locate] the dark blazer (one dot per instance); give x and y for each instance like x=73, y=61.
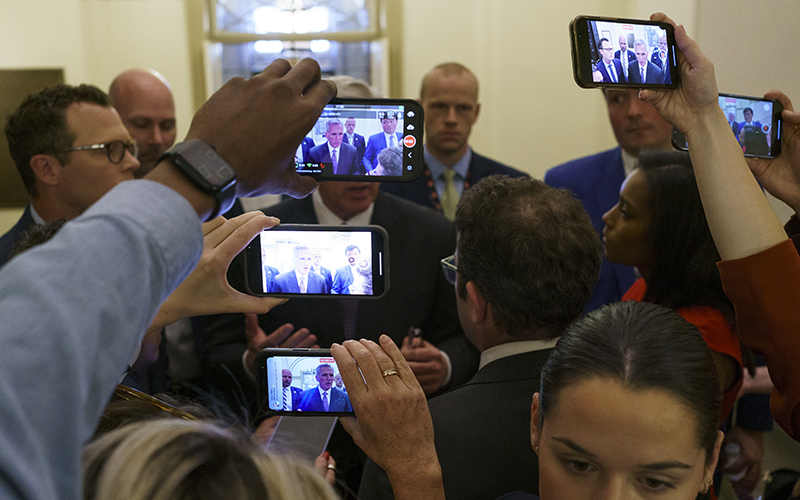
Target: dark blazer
x=376, y=144
x=656, y=59
x=601, y=67
x=418, y=296
x=359, y=143
x=296, y=393
x=652, y=75
x=307, y=143
x=419, y=192
x=342, y=280
x=325, y=273
x=482, y=433
x=287, y=283
x=310, y=400
x=271, y=274
x=8, y=240
x=348, y=158
x=631, y=56
x=595, y=180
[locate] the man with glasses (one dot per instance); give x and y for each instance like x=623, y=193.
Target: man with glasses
x=518, y=285
x=609, y=68
x=449, y=97
x=70, y=148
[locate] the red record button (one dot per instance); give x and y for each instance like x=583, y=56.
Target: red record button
x=409, y=141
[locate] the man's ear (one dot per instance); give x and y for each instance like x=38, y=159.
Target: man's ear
x=46, y=168
x=477, y=110
x=535, y=423
x=478, y=303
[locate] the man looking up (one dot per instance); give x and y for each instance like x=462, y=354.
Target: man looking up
x=595, y=180
x=144, y=101
x=518, y=285
x=449, y=97
x=70, y=148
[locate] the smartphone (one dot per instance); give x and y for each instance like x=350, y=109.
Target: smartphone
x=623, y=53
x=301, y=382
x=755, y=121
x=376, y=140
x=292, y=260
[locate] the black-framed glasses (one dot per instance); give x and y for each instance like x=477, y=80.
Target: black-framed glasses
x=449, y=268
x=115, y=150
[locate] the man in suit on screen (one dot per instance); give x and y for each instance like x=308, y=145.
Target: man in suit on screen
x=324, y=397
x=382, y=140
x=343, y=157
x=642, y=70
x=625, y=56
x=610, y=68
x=301, y=279
x=353, y=139
x=290, y=394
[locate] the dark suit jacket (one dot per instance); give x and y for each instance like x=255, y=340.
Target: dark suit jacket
x=419, y=192
x=359, y=143
x=418, y=296
x=342, y=280
x=376, y=144
x=656, y=59
x=326, y=273
x=482, y=433
x=296, y=394
x=595, y=180
x=310, y=400
x=652, y=75
x=601, y=67
x=272, y=273
x=307, y=143
x=348, y=158
x=13, y=235
x=287, y=283
x=631, y=56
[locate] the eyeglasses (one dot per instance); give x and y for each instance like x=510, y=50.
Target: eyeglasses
x=449, y=269
x=115, y=150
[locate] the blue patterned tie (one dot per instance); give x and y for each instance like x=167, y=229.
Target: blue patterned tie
x=325, y=400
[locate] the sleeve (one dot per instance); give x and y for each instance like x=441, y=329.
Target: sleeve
x=73, y=312
x=765, y=291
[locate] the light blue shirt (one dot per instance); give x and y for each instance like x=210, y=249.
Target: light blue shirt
x=73, y=313
x=437, y=169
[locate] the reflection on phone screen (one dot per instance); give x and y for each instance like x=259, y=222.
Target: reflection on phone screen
x=627, y=53
x=306, y=384
x=317, y=262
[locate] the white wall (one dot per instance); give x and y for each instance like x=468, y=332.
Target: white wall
x=533, y=114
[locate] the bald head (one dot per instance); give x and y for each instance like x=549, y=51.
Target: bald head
x=446, y=70
x=145, y=104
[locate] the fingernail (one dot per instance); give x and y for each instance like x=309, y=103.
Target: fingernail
x=335, y=345
x=326, y=455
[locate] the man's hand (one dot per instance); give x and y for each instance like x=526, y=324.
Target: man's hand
x=206, y=290
x=427, y=363
x=781, y=176
x=751, y=446
x=284, y=336
x=257, y=124
x=393, y=424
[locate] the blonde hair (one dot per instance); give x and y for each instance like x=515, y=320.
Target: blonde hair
x=174, y=459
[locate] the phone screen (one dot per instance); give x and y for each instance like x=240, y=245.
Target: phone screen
x=365, y=140
x=623, y=53
x=755, y=122
x=320, y=261
x=297, y=382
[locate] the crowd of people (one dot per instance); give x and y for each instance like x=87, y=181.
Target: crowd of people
x=536, y=342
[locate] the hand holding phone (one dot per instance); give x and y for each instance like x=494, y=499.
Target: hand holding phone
x=284, y=337
x=623, y=53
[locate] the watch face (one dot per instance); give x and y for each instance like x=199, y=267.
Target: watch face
x=209, y=165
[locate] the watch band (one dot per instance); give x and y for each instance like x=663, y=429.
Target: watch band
x=201, y=163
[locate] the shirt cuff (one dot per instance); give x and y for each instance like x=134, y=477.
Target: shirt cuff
x=449, y=364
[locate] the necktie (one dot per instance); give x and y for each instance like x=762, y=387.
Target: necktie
x=335, y=162
x=450, y=194
x=611, y=73
x=302, y=285
x=625, y=63
x=642, y=75
x=391, y=141
x=350, y=138
x=285, y=390
x=325, y=400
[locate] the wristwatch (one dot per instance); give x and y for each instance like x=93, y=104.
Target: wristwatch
x=200, y=162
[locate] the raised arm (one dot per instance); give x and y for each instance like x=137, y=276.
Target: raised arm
x=741, y=219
